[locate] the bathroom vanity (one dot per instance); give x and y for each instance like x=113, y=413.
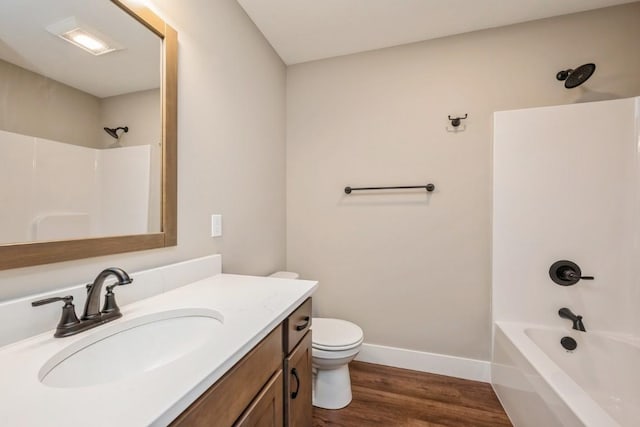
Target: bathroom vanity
x=224, y=350
x=258, y=390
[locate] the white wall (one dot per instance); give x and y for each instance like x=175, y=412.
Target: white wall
x=231, y=149
x=566, y=188
x=414, y=270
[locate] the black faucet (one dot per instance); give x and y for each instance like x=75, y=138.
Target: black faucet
x=69, y=323
x=92, y=304
x=565, y=313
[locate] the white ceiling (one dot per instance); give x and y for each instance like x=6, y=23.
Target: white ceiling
x=305, y=30
x=24, y=41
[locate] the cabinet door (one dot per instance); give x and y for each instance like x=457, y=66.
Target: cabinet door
x=297, y=385
x=266, y=409
x=228, y=399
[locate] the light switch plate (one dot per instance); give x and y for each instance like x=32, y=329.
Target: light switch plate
x=216, y=225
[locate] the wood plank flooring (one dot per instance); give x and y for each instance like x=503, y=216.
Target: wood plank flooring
x=392, y=397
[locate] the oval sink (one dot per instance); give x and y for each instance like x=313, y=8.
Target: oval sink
x=131, y=347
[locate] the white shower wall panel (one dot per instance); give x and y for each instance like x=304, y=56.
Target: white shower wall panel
x=566, y=187
x=16, y=181
x=51, y=190
x=64, y=183
x=124, y=182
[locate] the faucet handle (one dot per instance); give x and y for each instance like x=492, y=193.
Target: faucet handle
x=570, y=274
x=67, y=300
x=110, y=306
x=566, y=273
x=68, y=320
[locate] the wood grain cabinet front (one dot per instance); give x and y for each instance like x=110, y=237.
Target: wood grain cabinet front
x=269, y=387
x=267, y=409
x=297, y=385
x=296, y=325
x=223, y=403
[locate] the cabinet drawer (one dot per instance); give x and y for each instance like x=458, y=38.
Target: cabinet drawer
x=296, y=325
x=226, y=400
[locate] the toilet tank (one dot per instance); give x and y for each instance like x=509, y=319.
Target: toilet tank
x=285, y=275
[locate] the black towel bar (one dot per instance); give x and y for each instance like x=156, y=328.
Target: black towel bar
x=428, y=187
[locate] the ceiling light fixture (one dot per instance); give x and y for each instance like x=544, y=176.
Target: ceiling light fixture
x=83, y=36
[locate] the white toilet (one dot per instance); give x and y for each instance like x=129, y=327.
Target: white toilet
x=335, y=343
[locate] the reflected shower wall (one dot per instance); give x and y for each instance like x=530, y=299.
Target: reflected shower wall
x=55, y=191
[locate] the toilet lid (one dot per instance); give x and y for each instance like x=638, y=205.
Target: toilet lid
x=335, y=334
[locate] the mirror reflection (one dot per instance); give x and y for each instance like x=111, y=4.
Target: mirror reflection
x=80, y=122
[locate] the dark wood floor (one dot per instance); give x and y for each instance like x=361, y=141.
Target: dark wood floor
x=390, y=397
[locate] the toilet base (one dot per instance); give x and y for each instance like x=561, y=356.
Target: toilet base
x=332, y=387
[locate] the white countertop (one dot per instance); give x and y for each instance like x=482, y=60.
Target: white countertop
x=251, y=306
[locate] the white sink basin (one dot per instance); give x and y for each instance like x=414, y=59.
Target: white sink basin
x=131, y=347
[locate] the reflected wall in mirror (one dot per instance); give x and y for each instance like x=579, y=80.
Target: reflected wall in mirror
x=87, y=130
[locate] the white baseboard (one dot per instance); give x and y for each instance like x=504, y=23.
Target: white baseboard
x=453, y=366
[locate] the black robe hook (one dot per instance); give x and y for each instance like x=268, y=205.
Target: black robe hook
x=455, y=121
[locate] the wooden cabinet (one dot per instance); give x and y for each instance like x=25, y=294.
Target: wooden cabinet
x=297, y=385
x=296, y=326
x=227, y=399
x=269, y=387
x=297, y=367
x=267, y=409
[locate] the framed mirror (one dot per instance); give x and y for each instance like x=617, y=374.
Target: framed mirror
x=88, y=130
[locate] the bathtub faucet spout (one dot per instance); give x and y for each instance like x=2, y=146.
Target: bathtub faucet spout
x=565, y=313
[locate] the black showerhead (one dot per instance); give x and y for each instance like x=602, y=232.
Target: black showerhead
x=114, y=132
x=574, y=78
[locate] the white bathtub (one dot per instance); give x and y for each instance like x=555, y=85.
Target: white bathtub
x=541, y=384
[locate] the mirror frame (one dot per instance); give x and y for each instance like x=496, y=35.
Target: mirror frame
x=17, y=255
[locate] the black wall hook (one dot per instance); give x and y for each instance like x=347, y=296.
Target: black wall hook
x=455, y=121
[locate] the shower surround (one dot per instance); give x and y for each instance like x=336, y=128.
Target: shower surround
x=566, y=187
x=56, y=191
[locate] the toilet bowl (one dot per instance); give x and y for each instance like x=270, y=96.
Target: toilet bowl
x=335, y=343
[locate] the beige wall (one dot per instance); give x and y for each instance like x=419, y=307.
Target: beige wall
x=414, y=270
x=231, y=152
x=31, y=104
x=140, y=111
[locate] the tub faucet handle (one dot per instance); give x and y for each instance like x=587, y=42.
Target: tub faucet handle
x=566, y=273
x=573, y=275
